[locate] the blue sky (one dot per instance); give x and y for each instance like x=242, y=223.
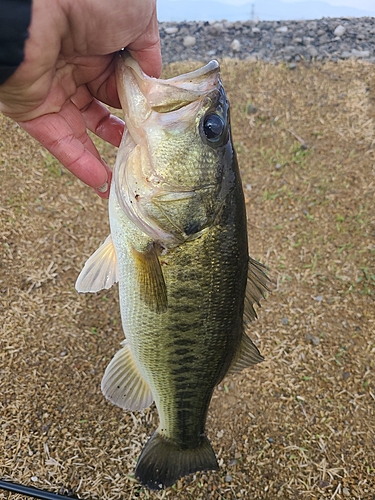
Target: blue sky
x=232, y=10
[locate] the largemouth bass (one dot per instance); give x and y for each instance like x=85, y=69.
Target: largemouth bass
x=178, y=248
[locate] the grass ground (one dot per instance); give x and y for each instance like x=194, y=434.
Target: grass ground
x=299, y=425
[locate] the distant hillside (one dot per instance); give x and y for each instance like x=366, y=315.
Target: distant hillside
x=209, y=10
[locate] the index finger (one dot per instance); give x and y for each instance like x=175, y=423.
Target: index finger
x=77, y=154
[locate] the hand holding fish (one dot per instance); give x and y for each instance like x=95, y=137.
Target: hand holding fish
x=68, y=68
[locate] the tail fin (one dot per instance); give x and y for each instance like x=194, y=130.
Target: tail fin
x=162, y=462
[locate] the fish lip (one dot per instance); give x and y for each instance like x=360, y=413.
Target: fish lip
x=163, y=95
x=126, y=59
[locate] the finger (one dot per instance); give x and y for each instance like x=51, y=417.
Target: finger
x=149, y=59
x=103, y=86
x=146, y=48
x=106, y=126
x=78, y=155
x=98, y=118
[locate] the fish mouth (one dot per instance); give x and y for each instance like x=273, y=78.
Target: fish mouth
x=150, y=106
x=161, y=95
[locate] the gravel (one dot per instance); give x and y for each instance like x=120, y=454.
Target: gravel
x=270, y=41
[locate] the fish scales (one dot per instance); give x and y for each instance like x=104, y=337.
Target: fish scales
x=178, y=248
x=182, y=382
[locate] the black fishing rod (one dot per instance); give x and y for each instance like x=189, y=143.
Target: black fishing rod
x=30, y=491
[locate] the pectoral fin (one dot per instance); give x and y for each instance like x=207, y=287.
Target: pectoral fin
x=122, y=383
x=100, y=270
x=247, y=355
x=150, y=279
x=258, y=283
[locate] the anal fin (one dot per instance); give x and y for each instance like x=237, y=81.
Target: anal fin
x=247, y=355
x=122, y=383
x=258, y=283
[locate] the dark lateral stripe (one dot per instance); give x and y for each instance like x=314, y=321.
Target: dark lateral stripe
x=186, y=414
x=184, y=395
x=182, y=351
x=182, y=342
x=184, y=293
x=182, y=379
x=184, y=308
x=179, y=370
x=187, y=360
x=183, y=326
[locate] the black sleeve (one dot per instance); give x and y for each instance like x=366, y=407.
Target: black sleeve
x=15, y=16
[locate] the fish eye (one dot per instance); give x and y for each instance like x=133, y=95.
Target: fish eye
x=213, y=127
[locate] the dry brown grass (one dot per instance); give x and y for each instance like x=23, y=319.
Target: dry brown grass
x=301, y=424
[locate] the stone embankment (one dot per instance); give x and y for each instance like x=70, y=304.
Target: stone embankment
x=271, y=41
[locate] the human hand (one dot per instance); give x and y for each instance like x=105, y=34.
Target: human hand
x=68, y=69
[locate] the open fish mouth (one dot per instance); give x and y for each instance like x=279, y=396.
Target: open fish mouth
x=163, y=96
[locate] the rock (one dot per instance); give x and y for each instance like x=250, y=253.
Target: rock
x=315, y=340
x=323, y=484
x=307, y=40
x=312, y=51
x=235, y=45
x=251, y=109
x=272, y=42
x=340, y=30
x=216, y=29
x=171, y=30
x=312, y=338
x=360, y=53
x=312, y=25
x=289, y=49
x=189, y=41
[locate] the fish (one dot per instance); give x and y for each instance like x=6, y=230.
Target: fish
x=178, y=248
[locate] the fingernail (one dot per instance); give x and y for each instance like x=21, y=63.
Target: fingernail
x=104, y=188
